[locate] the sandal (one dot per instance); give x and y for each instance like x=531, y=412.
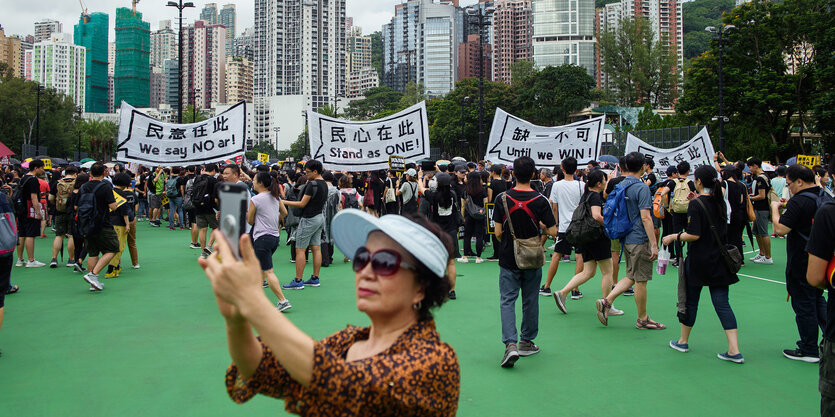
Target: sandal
x=12, y=289
x=649, y=324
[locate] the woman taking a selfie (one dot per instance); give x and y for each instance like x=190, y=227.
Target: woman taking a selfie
x=397, y=366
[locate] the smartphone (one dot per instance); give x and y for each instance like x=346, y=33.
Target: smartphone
x=232, y=220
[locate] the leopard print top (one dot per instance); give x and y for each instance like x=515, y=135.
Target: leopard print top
x=417, y=376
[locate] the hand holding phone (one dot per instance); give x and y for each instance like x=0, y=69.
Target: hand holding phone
x=232, y=215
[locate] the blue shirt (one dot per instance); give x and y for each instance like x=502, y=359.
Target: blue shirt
x=637, y=198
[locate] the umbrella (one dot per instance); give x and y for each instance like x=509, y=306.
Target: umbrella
x=746, y=170
x=78, y=164
x=791, y=161
x=608, y=158
x=41, y=157
x=768, y=167
x=256, y=163
x=5, y=151
x=59, y=161
x=85, y=160
x=14, y=161
x=25, y=165
x=88, y=164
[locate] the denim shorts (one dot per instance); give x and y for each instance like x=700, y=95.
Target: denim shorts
x=265, y=246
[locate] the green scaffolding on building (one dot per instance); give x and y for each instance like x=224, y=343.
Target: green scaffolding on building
x=132, y=73
x=93, y=35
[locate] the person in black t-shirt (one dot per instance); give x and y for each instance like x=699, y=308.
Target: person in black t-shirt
x=205, y=216
x=29, y=221
x=103, y=242
x=807, y=302
x=736, y=197
x=120, y=218
x=311, y=225
x=495, y=186
x=820, y=273
x=529, y=210
x=759, y=197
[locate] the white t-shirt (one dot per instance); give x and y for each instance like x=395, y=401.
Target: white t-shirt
x=567, y=195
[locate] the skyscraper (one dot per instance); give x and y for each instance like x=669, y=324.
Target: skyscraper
x=468, y=58
x=163, y=44
x=45, y=28
x=92, y=32
x=132, y=73
x=563, y=33
x=169, y=69
x=204, y=64
x=58, y=64
x=26, y=44
x=228, y=19
x=209, y=13
x=10, y=52
x=361, y=73
x=159, y=87
x=238, y=80
x=111, y=79
x=243, y=45
x=511, y=37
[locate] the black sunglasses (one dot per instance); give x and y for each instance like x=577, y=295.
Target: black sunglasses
x=384, y=262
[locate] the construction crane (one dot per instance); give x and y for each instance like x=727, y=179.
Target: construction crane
x=134, y=2
x=84, y=14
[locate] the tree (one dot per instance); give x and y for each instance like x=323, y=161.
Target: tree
x=100, y=135
x=521, y=70
x=696, y=16
x=415, y=93
x=549, y=96
x=377, y=52
x=194, y=114
x=261, y=147
x=642, y=68
x=298, y=149
x=376, y=101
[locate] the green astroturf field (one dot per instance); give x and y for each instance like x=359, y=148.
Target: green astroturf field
x=153, y=344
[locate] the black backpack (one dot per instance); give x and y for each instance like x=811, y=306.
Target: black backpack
x=87, y=217
x=350, y=200
x=473, y=210
x=18, y=199
x=201, y=196
x=583, y=228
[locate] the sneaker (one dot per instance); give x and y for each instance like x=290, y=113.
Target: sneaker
x=136, y=266
x=295, y=284
x=35, y=264
x=614, y=312
x=527, y=348
x=511, y=355
x=731, y=358
x=630, y=292
x=205, y=253
x=171, y=228
x=797, y=355
x=265, y=284
x=112, y=274
x=675, y=263
x=545, y=292
x=155, y=224
x=20, y=262
x=764, y=261
x=493, y=259
x=93, y=280
x=93, y=289
x=560, y=299
x=452, y=295
x=479, y=260
x=576, y=295
x=194, y=246
x=79, y=268
x=53, y=263
x=463, y=260
x=603, y=307
x=756, y=258
x=566, y=258
x=313, y=282
x=283, y=305
x=70, y=264
x=681, y=347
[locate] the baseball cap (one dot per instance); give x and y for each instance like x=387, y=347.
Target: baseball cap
x=411, y=172
x=443, y=179
x=461, y=168
x=351, y=228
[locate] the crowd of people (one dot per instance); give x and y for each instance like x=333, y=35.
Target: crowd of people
x=605, y=214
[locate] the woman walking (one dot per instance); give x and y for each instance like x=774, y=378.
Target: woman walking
x=475, y=213
x=704, y=265
x=265, y=212
x=408, y=191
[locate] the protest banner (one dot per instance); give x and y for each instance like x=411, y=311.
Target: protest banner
x=491, y=225
x=264, y=158
x=698, y=151
x=47, y=164
x=343, y=145
x=808, y=160
x=143, y=139
x=512, y=137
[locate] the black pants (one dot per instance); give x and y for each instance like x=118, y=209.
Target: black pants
x=718, y=296
x=735, y=229
x=495, y=246
x=6, y=263
x=473, y=228
x=826, y=383
x=809, y=313
x=679, y=224
x=327, y=254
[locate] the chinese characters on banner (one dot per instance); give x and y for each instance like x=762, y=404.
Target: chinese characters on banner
x=343, y=145
x=808, y=160
x=143, y=139
x=698, y=151
x=512, y=137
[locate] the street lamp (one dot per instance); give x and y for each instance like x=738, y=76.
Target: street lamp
x=481, y=16
x=276, y=129
x=38, y=122
x=464, y=102
x=180, y=6
x=78, y=156
x=194, y=106
x=721, y=37
x=306, y=133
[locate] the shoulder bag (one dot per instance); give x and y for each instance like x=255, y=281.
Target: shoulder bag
x=730, y=253
x=528, y=253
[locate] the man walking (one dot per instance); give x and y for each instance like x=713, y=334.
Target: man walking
x=309, y=231
x=639, y=249
x=155, y=196
x=103, y=240
x=204, y=198
x=527, y=208
x=63, y=189
x=759, y=197
x=565, y=197
x=29, y=221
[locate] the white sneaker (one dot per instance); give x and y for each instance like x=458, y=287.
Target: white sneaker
x=615, y=312
x=552, y=247
x=463, y=260
x=70, y=264
x=759, y=255
x=479, y=260
x=764, y=261
x=136, y=266
x=20, y=262
x=93, y=280
x=283, y=305
x=35, y=264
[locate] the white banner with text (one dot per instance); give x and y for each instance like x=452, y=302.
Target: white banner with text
x=697, y=151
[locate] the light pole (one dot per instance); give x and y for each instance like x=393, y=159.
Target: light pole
x=276, y=129
x=481, y=16
x=464, y=102
x=38, y=122
x=721, y=38
x=78, y=147
x=194, y=106
x=180, y=6
x=306, y=133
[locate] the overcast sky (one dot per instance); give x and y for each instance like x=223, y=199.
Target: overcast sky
x=18, y=17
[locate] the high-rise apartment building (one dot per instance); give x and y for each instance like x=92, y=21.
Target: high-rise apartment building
x=243, y=45
x=111, y=79
x=209, y=13
x=163, y=44
x=58, y=64
x=204, y=64
x=563, y=33
x=45, y=28
x=511, y=37
x=10, y=52
x=169, y=69
x=361, y=73
x=239, y=80
x=420, y=45
x=159, y=87
x=92, y=32
x=26, y=44
x=228, y=18
x=361, y=81
x=132, y=74
x=468, y=58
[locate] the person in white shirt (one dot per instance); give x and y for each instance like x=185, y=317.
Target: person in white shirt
x=565, y=197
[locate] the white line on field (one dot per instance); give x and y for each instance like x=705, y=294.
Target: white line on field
x=762, y=279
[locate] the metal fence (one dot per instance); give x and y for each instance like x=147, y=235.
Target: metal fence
x=29, y=151
x=660, y=138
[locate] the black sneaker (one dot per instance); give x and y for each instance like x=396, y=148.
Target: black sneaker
x=452, y=295
x=194, y=246
x=53, y=263
x=511, y=355
x=266, y=284
x=630, y=292
x=675, y=263
x=545, y=292
x=576, y=295
x=206, y=253
x=797, y=355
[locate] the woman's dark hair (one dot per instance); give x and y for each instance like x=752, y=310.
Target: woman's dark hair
x=265, y=179
x=121, y=180
x=707, y=174
x=596, y=176
x=301, y=180
x=345, y=182
x=474, y=187
x=80, y=180
x=730, y=171
x=435, y=289
x=800, y=172
x=445, y=191
x=314, y=165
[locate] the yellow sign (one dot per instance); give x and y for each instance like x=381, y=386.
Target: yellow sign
x=491, y=225
x=47, y=164
x=264, y=158
x=164, y=200
x=120, y=201
x=808, y=160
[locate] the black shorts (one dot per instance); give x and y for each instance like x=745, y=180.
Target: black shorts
x=105, y=241
x=599, y=250
x=28, y=227
x=6, y=263
x=265, y=246
x=565, y=247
